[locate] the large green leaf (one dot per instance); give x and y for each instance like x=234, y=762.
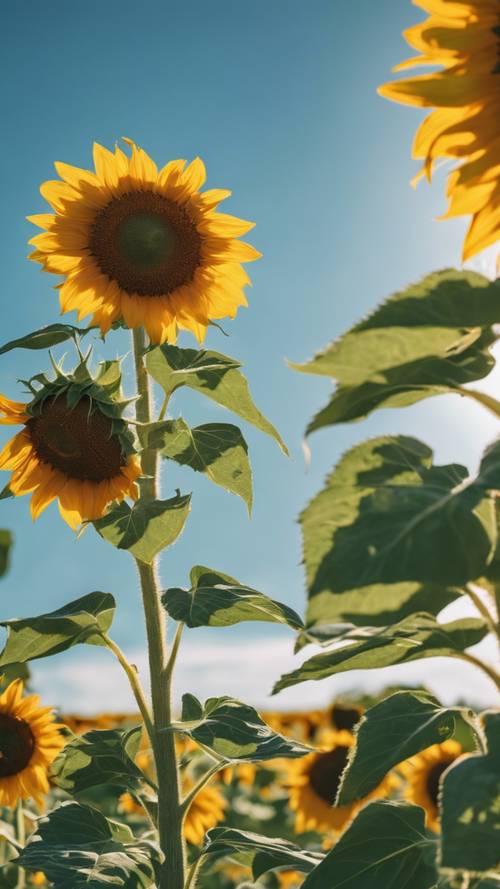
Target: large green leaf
x=234, y=731
x=429, y=339
x=218, y=600
x=81, y=621
x=408, y=383
x=214, y=375
x=390, y=732
x=258, y=852
x=46, y=337
x=385, y=846
x=387, y=516
x=470, y=804
x=216, y=449
x=78, y=848
x=5, y=548
x=146, y=528
x=98, y=758
x=415, y=637
x=443, y=312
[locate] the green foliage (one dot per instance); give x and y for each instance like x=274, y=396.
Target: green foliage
x=385, y=845
x=415, y=637
x=146, y=528
x=218, y=450
x=75, y=846
x=261, y=853
x=5, y=548
x=429, y=339
x=214, y=375
x=218, y=600
x=470, y=802
x=97, y=758
x=46, y=337
x=387, y=516
x=81, y=621
x=234, y=731
x=390, y=732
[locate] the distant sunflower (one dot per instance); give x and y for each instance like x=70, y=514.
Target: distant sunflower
x=143, y=245
x=464, y=37
x=205, y=812
x=74, y=447
x=313, y=783
x=30, y=740
x=424, y=772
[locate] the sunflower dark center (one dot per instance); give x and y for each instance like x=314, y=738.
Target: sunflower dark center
x=325, y=772
x=344, y=717
x=16, y=745
x=78, y=441
x=145, y=242
x=432, y=781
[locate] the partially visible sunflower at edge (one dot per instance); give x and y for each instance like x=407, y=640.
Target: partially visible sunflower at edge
x=464, y=37
x=423, y=774
x=143, y=245
x=74, y=447
x=30, y=740
x=313, y=782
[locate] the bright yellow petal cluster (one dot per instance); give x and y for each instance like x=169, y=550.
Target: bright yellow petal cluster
x=463, y=36
x=79, y=499
x=423, y=774
x=197, y=277
x=36, y=723
x=205, y=812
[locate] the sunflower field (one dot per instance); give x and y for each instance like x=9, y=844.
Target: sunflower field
x=376, y=790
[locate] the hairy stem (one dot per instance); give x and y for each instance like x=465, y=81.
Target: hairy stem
x=486, y=400
x=489, y=671
x=21, y=839
x=484, y=611
x=135, y=684
x=172, y=875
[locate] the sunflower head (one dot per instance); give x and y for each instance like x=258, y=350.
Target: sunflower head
x=30, y=740
x=424, y=773
x=463, y=38
x=314, y=782
x=74, y=445
x=143, y=245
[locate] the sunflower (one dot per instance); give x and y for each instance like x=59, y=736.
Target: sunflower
x=30, y=740
x=289, y=879
x=313, y=782
x=74, y=447
x=206, y=811
x=423, y=773
x=142, y=245
x=464, y=37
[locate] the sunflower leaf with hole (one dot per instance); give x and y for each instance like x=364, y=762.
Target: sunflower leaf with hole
x=146, y=528
x=99, y=758
x=216, y=376
x=234, y=731
x=392, y=731
x=218, y=450
x=218, y=600
x=470, y=806
x=83, y=621
x=430, y=339
x=76, y=846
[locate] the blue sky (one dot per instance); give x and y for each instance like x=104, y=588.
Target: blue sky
x=279, y=99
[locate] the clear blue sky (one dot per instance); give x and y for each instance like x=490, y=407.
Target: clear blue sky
x=279, y=99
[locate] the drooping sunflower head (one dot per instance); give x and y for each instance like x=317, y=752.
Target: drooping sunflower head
x=314, y=782
x=424, y=773
x=74, y=445
x=462, y=36
x=143, y=245
x=30, y=740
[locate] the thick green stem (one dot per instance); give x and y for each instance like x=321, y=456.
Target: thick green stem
x=173, y=870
